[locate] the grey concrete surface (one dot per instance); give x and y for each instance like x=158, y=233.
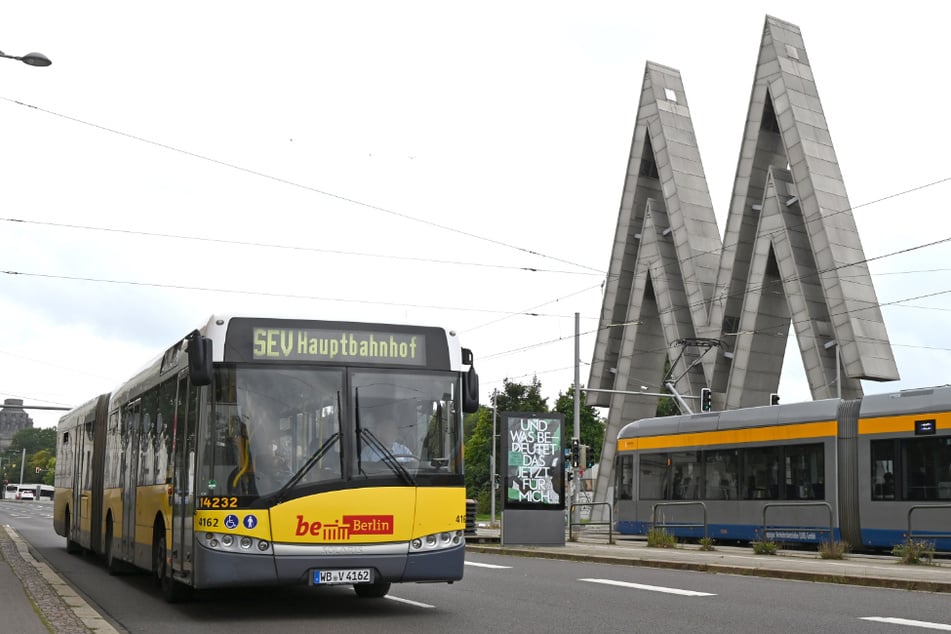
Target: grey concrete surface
x=38, y=601
x=885, y=571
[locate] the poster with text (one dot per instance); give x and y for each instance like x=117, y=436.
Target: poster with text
x=535, y=470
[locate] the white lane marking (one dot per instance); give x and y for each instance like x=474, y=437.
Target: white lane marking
x=408, y=602
x=641, y=586
x=493, y=566
x=909, y=622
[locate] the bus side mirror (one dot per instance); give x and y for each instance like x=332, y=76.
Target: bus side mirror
x=470, y=391
x=199, y=359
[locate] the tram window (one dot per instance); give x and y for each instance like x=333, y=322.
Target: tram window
x=654, y=480
x=721, y=474
x=804, y=473
x=760, y=473
x=625, y=477
x=883, y=469
x=926, y=464
x=686, y=467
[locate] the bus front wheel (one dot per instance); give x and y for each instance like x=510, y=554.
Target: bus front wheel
x=173, y=591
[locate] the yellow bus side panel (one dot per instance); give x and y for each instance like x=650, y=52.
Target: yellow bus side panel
x=439, y=510
x=112, y=502
x=150, y=500
x=61, y=498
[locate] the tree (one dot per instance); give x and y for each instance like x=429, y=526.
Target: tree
x=591, y=425
x=40, y=445
x=514, y=397
x=478, y=451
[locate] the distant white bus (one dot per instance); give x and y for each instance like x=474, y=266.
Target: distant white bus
x=39, y=491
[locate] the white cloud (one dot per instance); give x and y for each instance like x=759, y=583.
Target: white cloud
x=510, y=123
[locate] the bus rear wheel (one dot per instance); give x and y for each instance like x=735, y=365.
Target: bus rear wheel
x=72, y=547
x=113, y=565
x=371, y=590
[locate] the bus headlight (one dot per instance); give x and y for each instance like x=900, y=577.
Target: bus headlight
x=235, y=543
x=436, y=541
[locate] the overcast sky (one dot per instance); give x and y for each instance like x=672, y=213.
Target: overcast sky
x=441, y=163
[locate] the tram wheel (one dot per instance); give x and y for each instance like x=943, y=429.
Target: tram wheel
x=371, y=590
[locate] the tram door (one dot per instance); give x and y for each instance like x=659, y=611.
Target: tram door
x=183, y=474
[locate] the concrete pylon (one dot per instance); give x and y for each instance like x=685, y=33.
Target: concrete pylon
x=791, y=256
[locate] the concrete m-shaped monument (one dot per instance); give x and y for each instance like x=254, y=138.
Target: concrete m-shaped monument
x=721, y=311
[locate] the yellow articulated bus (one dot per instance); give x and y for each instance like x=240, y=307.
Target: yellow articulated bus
x=261, y=452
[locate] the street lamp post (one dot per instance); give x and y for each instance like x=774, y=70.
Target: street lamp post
x=32, y=59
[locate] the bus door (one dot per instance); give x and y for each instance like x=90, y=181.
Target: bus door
x=131, y=420
x=79, y=452
x=183, y=475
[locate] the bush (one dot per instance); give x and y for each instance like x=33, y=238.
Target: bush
x=915, y=552
x=765, y=547
x=707, y=543
x=660, y=538
x=833, y=549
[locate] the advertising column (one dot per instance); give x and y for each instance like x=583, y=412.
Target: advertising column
x=534, y=506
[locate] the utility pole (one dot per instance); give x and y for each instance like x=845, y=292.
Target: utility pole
x=577, y=412
x=493, y=468
x=22, y=461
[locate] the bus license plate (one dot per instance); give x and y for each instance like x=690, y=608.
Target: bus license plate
x=347, y=575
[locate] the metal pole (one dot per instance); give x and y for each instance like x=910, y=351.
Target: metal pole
x=838, y=379
x=22, y=460
x=493, y=470
x=577, y=409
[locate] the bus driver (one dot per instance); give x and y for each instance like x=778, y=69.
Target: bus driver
x=384, y=429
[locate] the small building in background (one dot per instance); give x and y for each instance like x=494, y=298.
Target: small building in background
x=13, y=418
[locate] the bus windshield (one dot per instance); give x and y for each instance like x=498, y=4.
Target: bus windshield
x=283, y=429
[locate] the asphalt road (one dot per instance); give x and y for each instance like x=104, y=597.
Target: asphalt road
x=498, y=593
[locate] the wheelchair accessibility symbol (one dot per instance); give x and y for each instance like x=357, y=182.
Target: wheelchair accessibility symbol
x=231, y=522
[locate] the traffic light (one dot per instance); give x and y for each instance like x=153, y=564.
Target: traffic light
x=706, y=399
x=774, y=399
x=575, y=452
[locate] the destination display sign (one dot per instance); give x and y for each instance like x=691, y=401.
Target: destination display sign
x=303, y=344
x=287, y=340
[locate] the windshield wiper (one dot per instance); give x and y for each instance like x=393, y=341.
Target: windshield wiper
x=387, y=458
x=311, y=461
